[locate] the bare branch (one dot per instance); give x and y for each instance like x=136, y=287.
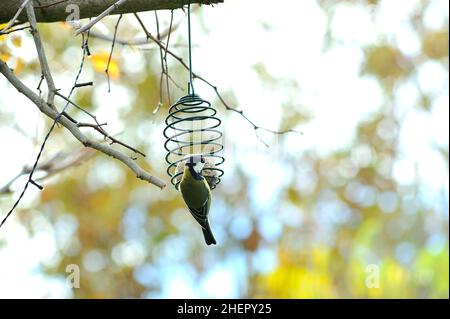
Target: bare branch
x=101, y=16
x=99, y=128
x=164, y=70
x=137, y=41
x=41, y=54
x=111, y=52
x=53, y=10
x=227, y=106
x=75, y=131
x=216, y=90
x=15, y=30
x=14, y=18
x=55, y=164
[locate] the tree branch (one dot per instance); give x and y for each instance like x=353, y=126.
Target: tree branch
x=51, y=10
x=105, y=13
x=227, y=106
x=97, y=126
x=75, y=131
x=41, y=54
x=14, y=18
x=136, y=41
x=55, y=164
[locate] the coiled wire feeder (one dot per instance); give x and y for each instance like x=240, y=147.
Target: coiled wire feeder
x=191, y=128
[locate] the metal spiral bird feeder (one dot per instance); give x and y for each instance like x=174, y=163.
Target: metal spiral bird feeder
x=192, y=128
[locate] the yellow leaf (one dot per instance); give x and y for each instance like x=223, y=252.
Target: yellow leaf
x=20, y=64
x=4, y=57
x=100, y=63
x=2, y=25
x=17, y=41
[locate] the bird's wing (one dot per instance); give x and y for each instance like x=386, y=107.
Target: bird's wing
x=200, y=214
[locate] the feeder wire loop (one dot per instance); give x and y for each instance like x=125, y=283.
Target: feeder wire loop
x=192, y=128
x=191, y=90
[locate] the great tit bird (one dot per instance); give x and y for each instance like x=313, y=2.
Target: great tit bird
x=197, y=193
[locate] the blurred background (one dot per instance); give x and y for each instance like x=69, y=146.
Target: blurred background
x=355, y=207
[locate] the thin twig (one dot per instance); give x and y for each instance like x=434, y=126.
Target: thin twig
x=41, y=54
x=40, y=83
x=79, y=85
x=71, y=126
x=163, y=69
x=77, y=106
x=14, y=18
x=165, y=58
x=241, y=112
x=111, y=52
x=74, y=130
x=100, y=17
x=218, y=94
x=137, y=41
x=33, y=23
x=99, y=128
x=15, y=30
x=53, y=165
x=161, y=57
x=227, y=106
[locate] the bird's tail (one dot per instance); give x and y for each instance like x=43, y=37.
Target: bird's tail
x=207, y=233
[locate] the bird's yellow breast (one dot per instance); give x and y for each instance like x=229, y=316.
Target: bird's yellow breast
x=195, y=192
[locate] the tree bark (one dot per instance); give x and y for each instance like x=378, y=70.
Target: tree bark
x=46, y=12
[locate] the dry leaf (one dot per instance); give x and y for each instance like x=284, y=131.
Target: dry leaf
x=4, y=57
x=20, y=65
x=17, y=41
x=100, y=63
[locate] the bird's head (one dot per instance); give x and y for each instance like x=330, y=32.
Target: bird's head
x=196, y=161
